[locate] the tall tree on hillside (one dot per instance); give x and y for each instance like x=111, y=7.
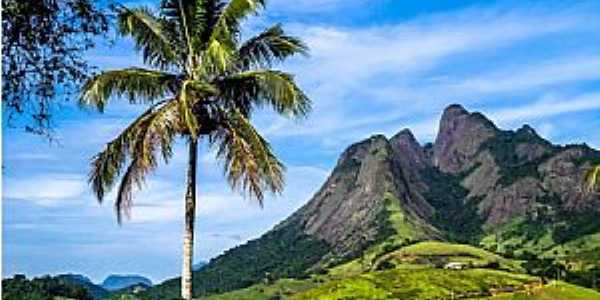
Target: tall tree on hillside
x=43, y=46
x=203, y=84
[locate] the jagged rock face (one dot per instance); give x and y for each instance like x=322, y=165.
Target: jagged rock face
x=459, y=139
x=506, y=174
x=345, y=212
x=509, y=173
x=409, y=151
x=342, y=211
x=502, y=204
x=503, y=174
x=412, y=159
x=534, y=147
x=562, y=176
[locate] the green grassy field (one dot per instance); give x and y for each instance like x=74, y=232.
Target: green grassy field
x=280, y=289
x=424, y=255
x=413, y=272
x=417, y=285
x=553, y=291
x=434, y=252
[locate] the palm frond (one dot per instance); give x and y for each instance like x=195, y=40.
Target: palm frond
x=272, y=45
x=222, y=45
x=139, y=85
x=265, y=87
x=217, y=59
x=227, y=27
x=150, y=35
x=193, y=91
x=592, y=179
x=107, y=165
x=149, y=136
x=207, y=14
x=250, y=165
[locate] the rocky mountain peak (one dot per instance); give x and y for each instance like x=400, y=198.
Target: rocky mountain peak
x=460, y=136
x=528, y=131
x=408, y=150
x=454, y=110
x=406, y=134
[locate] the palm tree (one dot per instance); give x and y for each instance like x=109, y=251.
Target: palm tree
x=203, y=84
x=592, y=179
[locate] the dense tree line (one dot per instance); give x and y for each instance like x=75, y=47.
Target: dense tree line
x=42, y=288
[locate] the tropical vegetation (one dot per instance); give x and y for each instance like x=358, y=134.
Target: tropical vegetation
x=43, y=288
x=43, y=56
x=203, y=84
x=592, y=178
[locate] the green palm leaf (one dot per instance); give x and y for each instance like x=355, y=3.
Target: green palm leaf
x=222, y=45
x=150, y=36
x=592, y=179
x=227, y=28
x=138, y=85
x=149, y=136
x=250, y=164
x=272, y=45
x=265, y=87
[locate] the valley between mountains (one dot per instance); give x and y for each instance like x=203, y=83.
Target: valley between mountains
x=480, y=213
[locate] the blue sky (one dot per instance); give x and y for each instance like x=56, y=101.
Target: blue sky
x=376, y=66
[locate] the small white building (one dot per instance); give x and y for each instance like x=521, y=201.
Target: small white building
x=455, y=266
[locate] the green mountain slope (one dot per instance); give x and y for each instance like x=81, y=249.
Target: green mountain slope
x=553, y=291
x=97, y=292
x=417, y=285
x=510, y=192
x=416, y=276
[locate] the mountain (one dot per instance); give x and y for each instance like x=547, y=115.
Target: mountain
x=510, y=192
x=117, y=282
x=199, y=265
x=97, y=292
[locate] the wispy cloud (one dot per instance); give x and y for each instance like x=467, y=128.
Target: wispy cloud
x=542, y=74
x=534, y=111
x=51, y=189
x=362, y=79
x=548, y=107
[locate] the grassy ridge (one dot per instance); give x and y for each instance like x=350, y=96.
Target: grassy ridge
x=416, y=284
x=280, y=289
x=415, y=273
x=436, y=253
x=554, y=291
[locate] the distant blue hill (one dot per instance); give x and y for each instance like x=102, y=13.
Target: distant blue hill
x=199, y=265
x=97, y=292
x=117, y=282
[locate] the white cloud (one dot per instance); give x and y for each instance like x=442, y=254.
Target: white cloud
x=517, y=78
x=547, y=107
x=161, y=212
x=162, y=200
x=51, y=189
x=544, y=108
x=386, y=69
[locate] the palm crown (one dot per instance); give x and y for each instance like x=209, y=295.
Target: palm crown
x=204, y=82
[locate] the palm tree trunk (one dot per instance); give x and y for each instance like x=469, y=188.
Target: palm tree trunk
x=190, y=215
